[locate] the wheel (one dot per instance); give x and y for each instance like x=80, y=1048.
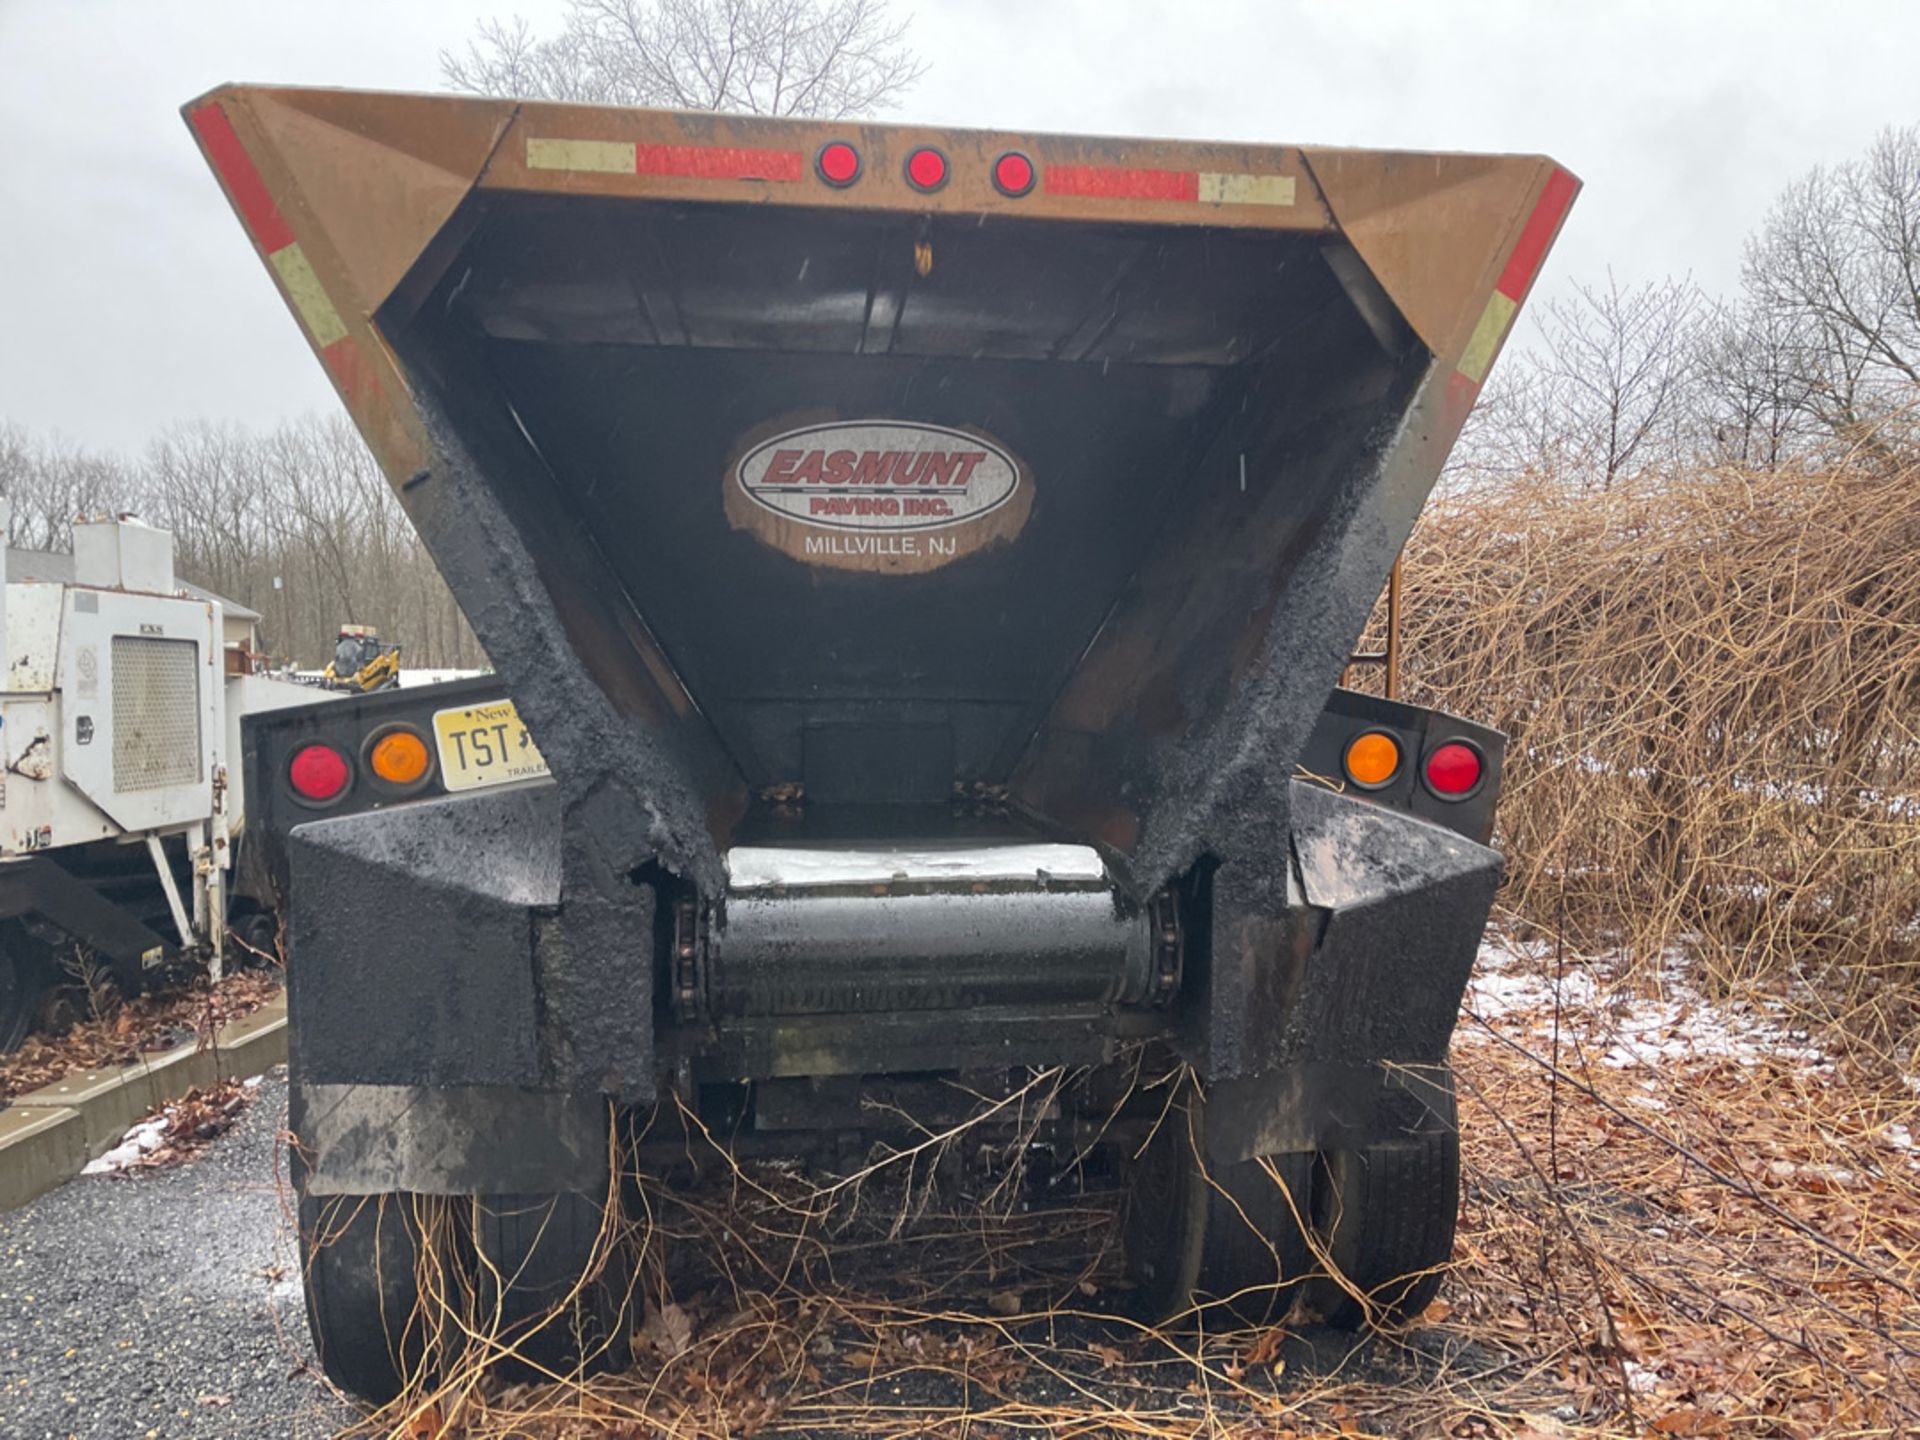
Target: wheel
x=1227, y=1235
x=560, y=1278
x=1385, y=1215
x=26, y=975
x=360, y=1259
x=258, y=934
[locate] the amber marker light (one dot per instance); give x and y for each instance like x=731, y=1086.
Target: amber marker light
x=1373, y=759
x=399, y=757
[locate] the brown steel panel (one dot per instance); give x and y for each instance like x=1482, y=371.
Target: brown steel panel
x=597, y=168
x=376, y=176
x=1434, y=229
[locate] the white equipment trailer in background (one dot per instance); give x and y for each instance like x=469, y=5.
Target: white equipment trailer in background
x=119, y=799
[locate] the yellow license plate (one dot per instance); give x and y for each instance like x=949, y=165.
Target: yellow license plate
x=485, y=745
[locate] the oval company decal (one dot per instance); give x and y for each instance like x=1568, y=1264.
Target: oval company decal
x=884, y=495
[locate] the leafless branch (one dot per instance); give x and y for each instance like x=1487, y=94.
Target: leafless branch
x=832, y=59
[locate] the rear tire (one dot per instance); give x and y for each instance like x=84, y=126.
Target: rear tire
x=359, y=1255
x=1225, y=1235
x=1385, y=1214
x=535, y=1252
x=258, y=933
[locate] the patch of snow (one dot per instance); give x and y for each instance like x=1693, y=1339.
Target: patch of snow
x=142, y=1140
x=1631, y=1030
x=1641, y=1379
x=410, y=677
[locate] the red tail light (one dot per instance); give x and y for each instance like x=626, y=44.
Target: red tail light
x=838, y=164
x=1013, y=174
x=926, y=169
x=319, y=773
x=1454, y=770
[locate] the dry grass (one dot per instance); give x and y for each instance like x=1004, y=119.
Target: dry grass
x=1712, y=689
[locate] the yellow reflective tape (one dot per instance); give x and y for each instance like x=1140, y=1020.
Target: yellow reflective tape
x=309, y=299
x=1222, y=189
x=609, y=156
x=1486, y=337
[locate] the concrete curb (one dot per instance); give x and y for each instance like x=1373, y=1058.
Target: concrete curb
x=47, y=1136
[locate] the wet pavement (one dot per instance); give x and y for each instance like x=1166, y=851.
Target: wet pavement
x=164, y=1303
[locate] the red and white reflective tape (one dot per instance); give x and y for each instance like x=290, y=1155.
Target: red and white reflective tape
x=1522, y=265
x=691, y=162
x=1201, y=187
x=270, y=230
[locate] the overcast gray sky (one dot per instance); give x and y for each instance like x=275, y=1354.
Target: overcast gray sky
x=131, y=298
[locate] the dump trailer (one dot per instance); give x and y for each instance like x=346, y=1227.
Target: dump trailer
x=917, y=565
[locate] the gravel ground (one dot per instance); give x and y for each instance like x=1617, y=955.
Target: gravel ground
x=163, y=1304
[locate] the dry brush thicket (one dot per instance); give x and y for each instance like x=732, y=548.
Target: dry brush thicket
x=1712, y=689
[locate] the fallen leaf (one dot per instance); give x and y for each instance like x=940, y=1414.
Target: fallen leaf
x=1267, y=1347
x=1688, y=1420
x=669, y=1330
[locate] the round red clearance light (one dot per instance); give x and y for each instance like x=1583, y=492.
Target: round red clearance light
x=1013, y=175
x=838, y=164
x=1454, y=770
x=926, y=169
x=319, y=773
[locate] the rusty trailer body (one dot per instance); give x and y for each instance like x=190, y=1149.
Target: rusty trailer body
x=997, y=510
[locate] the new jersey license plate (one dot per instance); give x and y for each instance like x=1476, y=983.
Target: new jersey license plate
x=485, y=745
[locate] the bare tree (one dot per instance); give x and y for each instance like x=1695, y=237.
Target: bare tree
x=1605, y=387
x=1754, y=399
x=50, y=483
x=827, y=58
x=1835, y=271
x=296, y=523
x=1618, y=366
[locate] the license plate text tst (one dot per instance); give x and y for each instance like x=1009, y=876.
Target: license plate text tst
x=485, y=745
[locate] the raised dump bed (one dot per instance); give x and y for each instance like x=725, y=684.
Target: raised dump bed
x=924, y=560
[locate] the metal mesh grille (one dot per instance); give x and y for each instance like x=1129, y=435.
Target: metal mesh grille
x=156, y=713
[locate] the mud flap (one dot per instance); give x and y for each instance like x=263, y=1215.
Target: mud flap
x=443, y=1040
x=1386, y=913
